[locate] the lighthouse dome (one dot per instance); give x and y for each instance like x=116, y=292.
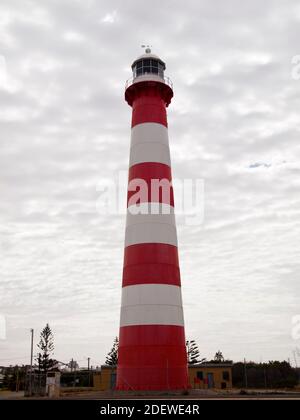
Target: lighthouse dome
x=148, y=55
x=148, y=64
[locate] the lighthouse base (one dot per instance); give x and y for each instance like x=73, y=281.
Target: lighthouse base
x=152, y=358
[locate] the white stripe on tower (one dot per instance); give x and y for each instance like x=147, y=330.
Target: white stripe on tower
x=161, y=233
x=149, y=143
x=150, y=152
x=149, y=133
x=150, y=228
x=151, y=304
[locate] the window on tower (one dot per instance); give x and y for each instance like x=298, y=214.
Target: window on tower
x=139, y=68
x=148, y=66
x=154, y=66
x=160, y=70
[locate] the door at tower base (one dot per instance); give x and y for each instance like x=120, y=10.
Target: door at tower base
x=152, y=353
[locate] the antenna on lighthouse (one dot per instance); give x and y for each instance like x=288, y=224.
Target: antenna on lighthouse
x=148, y=48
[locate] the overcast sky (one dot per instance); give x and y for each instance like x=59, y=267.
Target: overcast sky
x=65, y=128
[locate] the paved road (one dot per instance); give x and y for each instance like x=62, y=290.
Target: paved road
x=211, y=396
x=198, y=396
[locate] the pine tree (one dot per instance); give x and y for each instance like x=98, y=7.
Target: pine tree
x=46, y=346
x=73, y=365
x=193, y=353
x=112, y=357
x=219, y=358
x=7, y=378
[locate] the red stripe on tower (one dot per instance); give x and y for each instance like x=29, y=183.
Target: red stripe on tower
x=152, y=353
x=150, y=172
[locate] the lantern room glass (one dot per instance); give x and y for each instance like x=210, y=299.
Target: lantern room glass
x=148, y=66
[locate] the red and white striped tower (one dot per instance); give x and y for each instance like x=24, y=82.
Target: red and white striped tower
x=152, y=352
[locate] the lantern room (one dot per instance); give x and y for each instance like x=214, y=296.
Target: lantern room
x=148, y=64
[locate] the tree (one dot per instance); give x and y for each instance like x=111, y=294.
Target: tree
x=273, y=374
x=73, y=365
x=193, y=352
x=112, y=357
x=14, y=377
x=46, y=346
x=219, y=358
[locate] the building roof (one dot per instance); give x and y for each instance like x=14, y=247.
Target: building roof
x=211, y=365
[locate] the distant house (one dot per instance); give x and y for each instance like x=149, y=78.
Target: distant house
x=211, y=375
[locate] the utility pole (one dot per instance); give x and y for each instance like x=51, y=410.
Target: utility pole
x=89, y=371
x=31, y=361
x=246, y=378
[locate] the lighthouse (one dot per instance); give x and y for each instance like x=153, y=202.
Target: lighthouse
x=152, y=351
